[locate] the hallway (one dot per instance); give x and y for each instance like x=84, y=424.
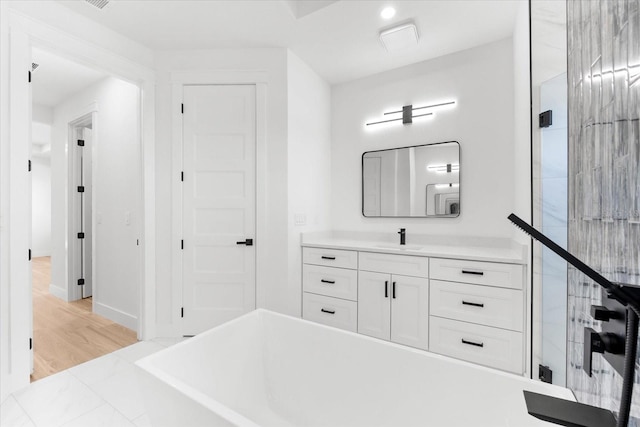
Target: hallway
x=68, y=334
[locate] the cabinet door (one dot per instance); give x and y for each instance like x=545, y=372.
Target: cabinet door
x=410, y=311
x=374, y=299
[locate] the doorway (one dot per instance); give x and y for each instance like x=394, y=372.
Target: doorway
x=86, y=289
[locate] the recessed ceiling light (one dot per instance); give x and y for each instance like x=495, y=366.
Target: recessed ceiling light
x=388, y=13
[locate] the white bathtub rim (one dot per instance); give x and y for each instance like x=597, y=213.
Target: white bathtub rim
x=220, y=409
x=147, y=362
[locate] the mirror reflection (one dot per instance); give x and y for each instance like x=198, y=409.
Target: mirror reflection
x=417, y=181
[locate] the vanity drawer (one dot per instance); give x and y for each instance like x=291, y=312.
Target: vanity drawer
x=493, y=347
x=486, y=305
x=330, y=281
x=330, y=311
x=405, y=265
x=330, y=257
x=481, y=273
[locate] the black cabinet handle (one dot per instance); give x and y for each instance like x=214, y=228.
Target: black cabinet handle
x=386, y=289
x=328, y=281
x=476, y=344
x=474, y=304
x=332, y=258
x=324, y=310
x=476, y=273
x=248, y=242
x=393, y=290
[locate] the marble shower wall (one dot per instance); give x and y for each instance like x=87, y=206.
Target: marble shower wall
x=604, y=175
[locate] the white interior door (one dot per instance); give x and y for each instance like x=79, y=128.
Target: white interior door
x=371, y=192
x=219, y=134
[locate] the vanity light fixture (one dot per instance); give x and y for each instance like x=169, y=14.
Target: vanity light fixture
x=407, y=113
x=448, y=168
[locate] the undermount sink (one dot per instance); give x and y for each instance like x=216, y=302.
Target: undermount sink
x=399, y=246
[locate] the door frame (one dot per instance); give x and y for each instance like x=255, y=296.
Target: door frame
x=25, y=33
x=219, y=77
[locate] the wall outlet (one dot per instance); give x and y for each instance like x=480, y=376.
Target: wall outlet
x=300, y=219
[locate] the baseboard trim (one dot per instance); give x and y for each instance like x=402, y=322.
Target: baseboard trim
x=116, y=315
x=37, y=253
x=58, y=292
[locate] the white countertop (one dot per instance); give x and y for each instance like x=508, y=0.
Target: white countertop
x=470, y=248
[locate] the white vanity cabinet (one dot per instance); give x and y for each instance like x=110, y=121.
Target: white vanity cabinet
x=330, y=287
x=477, y=312
x=471, y=307
x=394, y=306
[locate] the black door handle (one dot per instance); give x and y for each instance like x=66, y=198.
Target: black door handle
x=324, y=310
x=386, y=289
x=393, y=290
x=248, y=242
x=477, y=273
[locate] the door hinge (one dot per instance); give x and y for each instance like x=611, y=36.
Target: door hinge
x=81, y=235
x=182, y=109
x=181, y=244
x=81, y=143
x=545, y=119
x=80, y=282
x=80, y=188
x=29, y=254
x=29, y=76
x=29, y=165
x=182, y=176
x=181, y=311
x=30, y=343
x=545, y=374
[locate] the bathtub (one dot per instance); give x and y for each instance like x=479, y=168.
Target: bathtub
x=267, y=369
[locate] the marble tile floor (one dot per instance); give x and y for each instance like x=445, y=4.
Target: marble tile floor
x=101, y=392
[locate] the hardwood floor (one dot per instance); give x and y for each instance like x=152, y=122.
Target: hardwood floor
x=67, y=334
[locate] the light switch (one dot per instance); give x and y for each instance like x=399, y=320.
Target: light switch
x=300, y=219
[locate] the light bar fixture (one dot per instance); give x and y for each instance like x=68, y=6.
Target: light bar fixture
x=407, y=113
x=448, y=168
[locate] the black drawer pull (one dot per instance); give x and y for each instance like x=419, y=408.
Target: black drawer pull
x=332, y=258
x=324, y=310
x=386, y=289
x=393, y=290
x=477, y=273
x=477, y=344
x=331, y=282
x=474, y=304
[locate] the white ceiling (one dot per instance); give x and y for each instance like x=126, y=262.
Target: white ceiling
x=56, y=79
x=338, y=39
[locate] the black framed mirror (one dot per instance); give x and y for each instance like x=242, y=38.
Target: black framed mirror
x=420, y=181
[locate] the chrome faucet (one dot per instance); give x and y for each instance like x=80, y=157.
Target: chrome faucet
x=403, y=236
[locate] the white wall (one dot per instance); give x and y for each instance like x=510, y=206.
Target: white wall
x=116, y=196
x=41, y=207
x=480, y=80
x=309, y=155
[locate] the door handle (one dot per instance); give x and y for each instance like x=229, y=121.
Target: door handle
x=386, y=289
x=473, y=304
x=393, y=290
x=248, y=242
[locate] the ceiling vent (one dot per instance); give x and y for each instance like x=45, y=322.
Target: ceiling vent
x=398, y=38
x=100, y=4
x=34, y=66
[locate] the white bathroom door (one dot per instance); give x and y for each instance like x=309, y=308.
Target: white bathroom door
x=371, y=200
x=219, y=148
